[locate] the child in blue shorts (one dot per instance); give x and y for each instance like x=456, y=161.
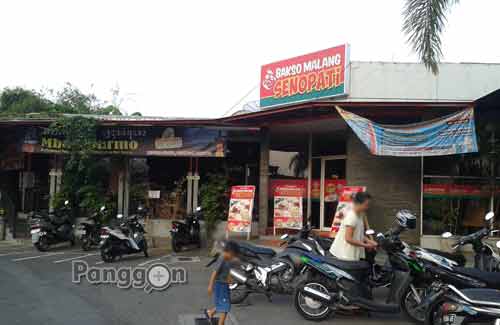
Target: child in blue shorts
x=219, y=283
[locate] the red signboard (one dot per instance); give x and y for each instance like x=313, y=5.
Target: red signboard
x=456, y=190
x=308, y=77
x=333, y=187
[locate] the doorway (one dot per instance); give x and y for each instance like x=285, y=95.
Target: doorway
x=328, y=177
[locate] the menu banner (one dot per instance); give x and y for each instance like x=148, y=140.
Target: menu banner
x=240, y=209
x=288, y=212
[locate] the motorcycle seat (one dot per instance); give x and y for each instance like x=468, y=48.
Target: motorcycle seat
x=348, y=265
x=257, y=249
x=492, y=278
x=486, y=295
x=457, y=257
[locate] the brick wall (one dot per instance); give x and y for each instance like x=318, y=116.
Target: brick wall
x=393, y=182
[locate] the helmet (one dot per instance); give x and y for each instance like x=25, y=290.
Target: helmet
x=406, y=219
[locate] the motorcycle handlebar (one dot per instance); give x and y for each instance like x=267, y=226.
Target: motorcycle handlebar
x=478, y=235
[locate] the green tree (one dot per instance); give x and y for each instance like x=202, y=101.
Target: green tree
x=214, y=194
x=19, y=101
x=69, y=100
x=424, y=22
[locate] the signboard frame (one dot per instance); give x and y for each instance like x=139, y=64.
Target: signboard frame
x=236, y=201
x=267, y=78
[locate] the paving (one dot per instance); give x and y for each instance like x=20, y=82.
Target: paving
x=37, y=288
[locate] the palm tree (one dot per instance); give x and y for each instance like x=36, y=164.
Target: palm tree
x=423, y=24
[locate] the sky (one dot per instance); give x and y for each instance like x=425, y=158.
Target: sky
x=200, y=58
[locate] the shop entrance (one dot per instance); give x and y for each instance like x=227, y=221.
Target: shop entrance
x=328, y=176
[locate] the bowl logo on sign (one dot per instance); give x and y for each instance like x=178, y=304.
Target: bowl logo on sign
x=269, y=80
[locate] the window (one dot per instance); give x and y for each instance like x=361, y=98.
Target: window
x=457, y=194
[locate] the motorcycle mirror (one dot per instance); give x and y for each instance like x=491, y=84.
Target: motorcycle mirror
x=498, y=244
x=446, y=235
x=103, y=208
x=119, y=216
x=283, y=237
x=489, y=216
x=198, y=209
x=66, y=202
x=370, y=232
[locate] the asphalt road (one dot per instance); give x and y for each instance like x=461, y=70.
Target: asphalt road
x=37, y=288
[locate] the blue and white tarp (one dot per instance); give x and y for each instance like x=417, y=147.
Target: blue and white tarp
x=449, y=135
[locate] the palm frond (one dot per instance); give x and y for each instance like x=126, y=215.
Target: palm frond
x=423, y=23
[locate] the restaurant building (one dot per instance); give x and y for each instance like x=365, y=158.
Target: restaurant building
x=298, y=138
x=447, y=193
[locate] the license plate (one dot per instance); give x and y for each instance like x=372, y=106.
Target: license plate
x=35, y=238
x=449, y=319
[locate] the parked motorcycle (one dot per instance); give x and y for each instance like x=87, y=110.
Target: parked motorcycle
x=186, y=233
x=439, y=271
x=333, y=284
x=485, y=257
x=127, y=238
x=263, y=271
x=464, y=306
x=91, y=230
x=52, y=229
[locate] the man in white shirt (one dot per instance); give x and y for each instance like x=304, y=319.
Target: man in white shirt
x=350, y=242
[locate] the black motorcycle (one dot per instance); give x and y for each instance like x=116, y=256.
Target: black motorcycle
x=436, y=272
x=261, y=270
x=47, y=230
x=333, y=284
x=91, y=230
x=127, y=238
x=454, y=306
x=187, y=233
x=485, y=257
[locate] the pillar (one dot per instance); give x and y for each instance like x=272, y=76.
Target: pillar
x=55, y=181
x=196, y=180
x=265, y=145
x=189, y=178
x=124, y=188
x=309, y=177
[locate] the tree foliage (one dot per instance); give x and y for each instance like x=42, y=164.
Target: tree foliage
x=18, y=102
x=424, y=22
x=214, y=193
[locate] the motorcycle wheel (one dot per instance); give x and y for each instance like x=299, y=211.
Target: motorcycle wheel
x=409, y=304
x=434, y=315
x=176, y=246
x=43, y=244
x=309, y=308
x=238, y=293
x=86, y=244
x=107, y=254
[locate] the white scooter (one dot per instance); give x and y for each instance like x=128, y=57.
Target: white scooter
x=126, y=239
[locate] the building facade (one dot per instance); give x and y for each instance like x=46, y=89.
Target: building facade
x=306, y=144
